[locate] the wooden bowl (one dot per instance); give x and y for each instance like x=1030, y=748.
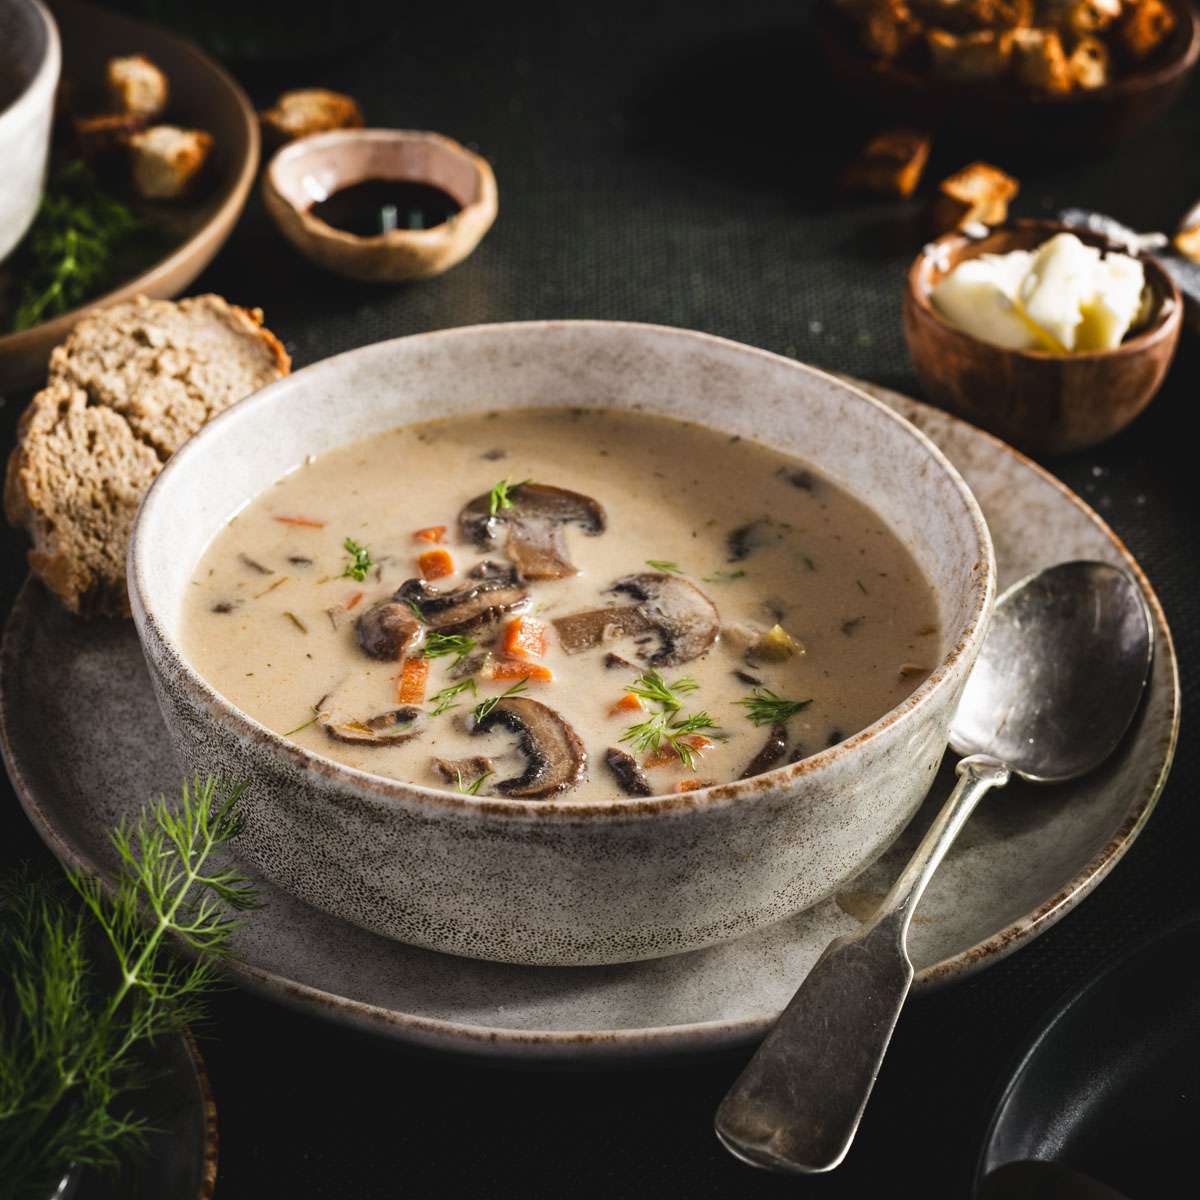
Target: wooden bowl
x=202, y=95
x=1005, y=115
x=1047, y=403
x=307, y=171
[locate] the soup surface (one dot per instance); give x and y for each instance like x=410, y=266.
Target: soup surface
x=665, y=607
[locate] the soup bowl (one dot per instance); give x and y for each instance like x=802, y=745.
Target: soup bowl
x=559, y=881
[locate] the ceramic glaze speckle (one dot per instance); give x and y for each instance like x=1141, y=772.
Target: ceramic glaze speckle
x=84, y=743
x=562, y=882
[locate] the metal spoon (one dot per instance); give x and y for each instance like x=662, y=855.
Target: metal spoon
x=1058, y=680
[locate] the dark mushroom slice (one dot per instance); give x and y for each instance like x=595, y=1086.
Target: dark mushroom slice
x=582, y=631
x=614, y=662
x=555, y=759
x=629, y=773
x=387, y=630
x=478, y=603
x=685, y=619
x=388, y=729
x=536, y=519
x=463, y=770
x=774, y=748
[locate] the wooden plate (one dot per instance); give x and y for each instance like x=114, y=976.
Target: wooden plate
x=202, y=95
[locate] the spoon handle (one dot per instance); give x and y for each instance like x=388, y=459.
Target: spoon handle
x=797, y=1105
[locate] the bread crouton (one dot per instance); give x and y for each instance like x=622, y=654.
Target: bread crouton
x=1187, y=242
x=136, y=86
x=310, y=110
x=980, y=57
x=888, y=29
x=166, y=160
x=1039, y=61
x=890, y=164
x=978, y=193
x=1143, y=28
x=1089, y=63
x=1079, y=18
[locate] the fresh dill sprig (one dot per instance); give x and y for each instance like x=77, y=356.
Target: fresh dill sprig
x=85, y=982
x=500, y=496
x=724, y=576
x=483, y=709
x=472, y=788
x=438, y=645
x=653, y=687
x=316, y=712
x=663, y=727
x=662, y=564
x=416, y=609
x=445, y=699
x=764, y=707
x=360, y=560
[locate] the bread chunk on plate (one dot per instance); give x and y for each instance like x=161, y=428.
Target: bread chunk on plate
x=129, y=386
x=165, y=160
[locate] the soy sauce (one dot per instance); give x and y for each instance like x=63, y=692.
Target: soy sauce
x=378, y=206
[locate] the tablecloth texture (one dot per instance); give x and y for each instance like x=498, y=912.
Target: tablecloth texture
x=671, y=162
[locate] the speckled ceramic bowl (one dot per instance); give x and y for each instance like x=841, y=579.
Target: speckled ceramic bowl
x=564, y=882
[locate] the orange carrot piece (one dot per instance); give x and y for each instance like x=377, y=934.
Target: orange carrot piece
x=433, y=533
x=304, y=522
x=525, y=638
x=512, y=668
x=435, y=564
x=411, y=681
x=691, y=785
x=630, y=702
x=666, y=754
x=352, y=600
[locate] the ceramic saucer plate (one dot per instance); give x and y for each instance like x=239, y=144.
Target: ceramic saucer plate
x=84, y=744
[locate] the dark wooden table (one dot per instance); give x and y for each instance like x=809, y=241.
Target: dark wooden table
x=669, y=162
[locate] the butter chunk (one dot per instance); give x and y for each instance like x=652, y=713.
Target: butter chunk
x=1061, y=278
x=980, y=297
x=1114, y=305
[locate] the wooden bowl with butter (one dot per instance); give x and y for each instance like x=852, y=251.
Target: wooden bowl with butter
x=1041, y=400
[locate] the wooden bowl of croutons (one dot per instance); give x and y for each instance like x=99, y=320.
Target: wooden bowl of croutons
x=1032, y=347
x=1048, y=75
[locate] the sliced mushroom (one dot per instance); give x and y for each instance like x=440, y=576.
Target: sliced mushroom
x=629, y=773
x=555, y=757
x=582, y=631
x=536, y=519
x=387, y=630
x=463, y=770
x=387, y=729
x=774, y=748
x=685, y=619
x=478, y=603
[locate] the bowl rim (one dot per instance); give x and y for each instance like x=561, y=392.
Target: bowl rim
x=48, y=67
x=319, y=144
x=1163, y=329
x=1137, y=81
x=158, y=645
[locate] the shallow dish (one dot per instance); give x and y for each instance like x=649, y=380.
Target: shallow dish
x=563, y=881
x=84, y=743
x=203, y=94
x=1047, y=403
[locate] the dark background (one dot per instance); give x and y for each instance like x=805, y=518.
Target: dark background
x=671, y=162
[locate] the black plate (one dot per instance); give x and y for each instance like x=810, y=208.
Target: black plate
x=1111, y=1084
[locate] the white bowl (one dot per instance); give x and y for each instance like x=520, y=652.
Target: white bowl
x=30, y=61
x=563, y=881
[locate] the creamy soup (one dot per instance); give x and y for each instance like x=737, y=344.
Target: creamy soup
x=550, y=604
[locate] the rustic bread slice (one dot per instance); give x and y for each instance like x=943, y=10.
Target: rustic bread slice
x=126, y=390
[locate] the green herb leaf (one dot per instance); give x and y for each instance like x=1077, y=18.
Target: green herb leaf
x=724, y=576
x=653, y=687
x=764, y=707
x=500, y=495
x=483, y=709
x=661, y=564
x=316, y=712
x=438, y=645
x=445, y=699
x=472, y=788
x=650, y=735
x=360, y=561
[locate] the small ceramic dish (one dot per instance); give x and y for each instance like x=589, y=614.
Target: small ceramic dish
x=564, y=882
x=310, y=170
x=1004, y=115
x=1042, y=402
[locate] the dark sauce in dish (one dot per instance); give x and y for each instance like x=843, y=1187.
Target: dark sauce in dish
x=377, y=206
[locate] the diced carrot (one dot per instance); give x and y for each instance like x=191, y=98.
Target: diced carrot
x=434, y=533
x=666, y=754
x=305, y=522
x=435, y=564
x=411, y=682
x=352, y=600
x=525, y=638
x=514, y=668
x=691, y=785
x=630, y=702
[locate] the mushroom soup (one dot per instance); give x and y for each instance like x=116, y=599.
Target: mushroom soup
x=580, y=604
